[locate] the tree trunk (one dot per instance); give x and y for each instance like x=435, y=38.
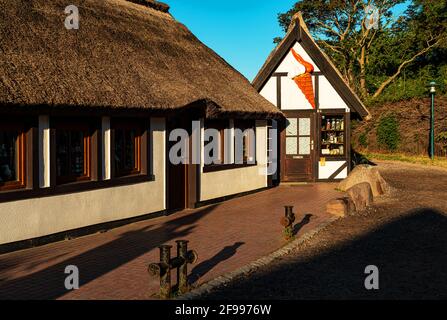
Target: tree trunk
x=362, y=63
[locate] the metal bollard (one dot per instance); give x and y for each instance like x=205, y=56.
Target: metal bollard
x=163, y=268
x=287, y=221
x=289, y=217
x=182, y=270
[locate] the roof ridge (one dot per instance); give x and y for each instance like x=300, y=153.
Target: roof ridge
x=153, y=4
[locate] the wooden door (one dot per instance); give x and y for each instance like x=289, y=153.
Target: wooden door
x=298, y=147
x=177, y=180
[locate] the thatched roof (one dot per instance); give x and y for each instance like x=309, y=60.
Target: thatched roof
x=298, y=31
x=124, y=55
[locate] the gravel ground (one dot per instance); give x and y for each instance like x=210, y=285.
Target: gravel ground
x=403, y=234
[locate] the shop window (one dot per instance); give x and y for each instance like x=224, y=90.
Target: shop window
x=333, y=135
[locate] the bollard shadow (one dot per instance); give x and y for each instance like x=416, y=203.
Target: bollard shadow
x=204, y=267
x=410, y=253
x=297, y=227
x=49, y=282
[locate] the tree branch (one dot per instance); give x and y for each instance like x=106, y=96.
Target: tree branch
x=329, y=29
x=402, y=65
x=333, y=48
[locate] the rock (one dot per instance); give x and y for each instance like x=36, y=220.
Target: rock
x=340, y=207
x=366, y=173
x=361, y=195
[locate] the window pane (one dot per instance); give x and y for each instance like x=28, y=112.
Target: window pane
x=304, y=145
x=119, y=149
x=292, y=127
x=77, y=154
x=291, y=145
x=304, y=126
x=70, y=155
x=216, y=149
x=129, y=156
x=332, y=135
x=8, y=156
x=125, y=150
x=62, y=153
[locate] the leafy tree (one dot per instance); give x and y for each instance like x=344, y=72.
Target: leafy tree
x=388, y=135
x=371, y=59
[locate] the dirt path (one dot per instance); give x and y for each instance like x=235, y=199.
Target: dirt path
x=404, y=235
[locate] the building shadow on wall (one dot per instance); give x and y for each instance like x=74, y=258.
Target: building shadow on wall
x=410, y=253
x=204, y=267
x=49, y=283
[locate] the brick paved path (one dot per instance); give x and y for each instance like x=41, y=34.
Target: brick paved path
x=113, y=264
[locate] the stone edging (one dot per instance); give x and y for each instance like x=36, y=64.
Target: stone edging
x=228, y=277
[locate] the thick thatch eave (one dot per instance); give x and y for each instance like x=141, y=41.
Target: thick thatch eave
x=123, y=56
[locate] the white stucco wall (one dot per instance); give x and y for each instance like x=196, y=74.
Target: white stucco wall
x=44, y=151
x=269, y=91
x=228, y=182
x=330, y=167
x=26, y=219
x=329, y=97
x=106, y=148
x=293, y=67
x=291, y=96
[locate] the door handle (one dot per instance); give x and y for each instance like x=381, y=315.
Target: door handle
x=312, y=145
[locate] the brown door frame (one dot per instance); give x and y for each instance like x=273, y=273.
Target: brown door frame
x=314, y=134
x=190, y=171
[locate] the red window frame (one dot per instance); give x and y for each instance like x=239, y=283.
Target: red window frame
x=19, y=128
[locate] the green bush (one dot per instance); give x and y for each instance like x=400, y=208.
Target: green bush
x=388, y=136
x=442, y=139
x=363, y=140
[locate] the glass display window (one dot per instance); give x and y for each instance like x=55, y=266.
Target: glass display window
x=333, y=135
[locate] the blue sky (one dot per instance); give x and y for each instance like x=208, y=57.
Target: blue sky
x=240, y=31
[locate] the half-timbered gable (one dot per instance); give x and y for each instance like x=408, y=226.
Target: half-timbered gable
x=304, y=84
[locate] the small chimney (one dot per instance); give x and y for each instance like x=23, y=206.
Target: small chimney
x=153, y=4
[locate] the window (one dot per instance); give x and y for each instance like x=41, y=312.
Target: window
x=73, y=152
x=217, y=154
x=127, y=147
x=245, y=141
x=298, y=137
x=12, y=156
x=333, y=135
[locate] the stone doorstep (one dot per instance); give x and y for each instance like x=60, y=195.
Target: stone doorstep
x=264, y=261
